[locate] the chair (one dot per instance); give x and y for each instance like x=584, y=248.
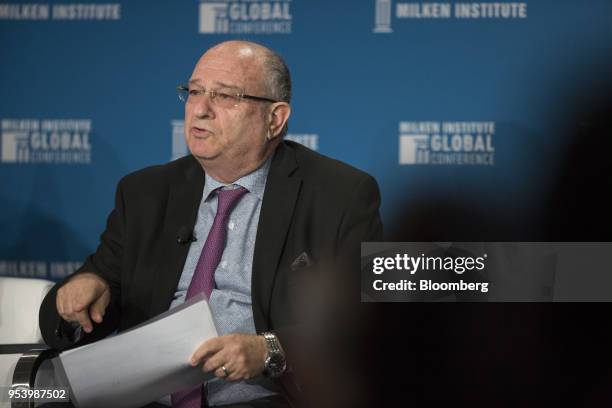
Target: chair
x=20, y=299
x=22, y=349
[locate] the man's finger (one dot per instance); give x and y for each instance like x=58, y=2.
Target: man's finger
x=67, y=302
x=98, y=308
x=236, y=373
x=59, y=304
x=83, y=319
x=224, y=374
x=234, y=376
x=66, y=308
x=75, y=303
x=209, y=347
x=216, y=361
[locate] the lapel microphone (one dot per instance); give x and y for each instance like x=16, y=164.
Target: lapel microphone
x=185, y=235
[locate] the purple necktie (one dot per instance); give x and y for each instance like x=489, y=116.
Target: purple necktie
x=203, y=279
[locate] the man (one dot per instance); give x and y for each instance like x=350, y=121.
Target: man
x=243, y=219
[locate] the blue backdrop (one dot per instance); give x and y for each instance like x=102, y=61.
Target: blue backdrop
x=463, y=100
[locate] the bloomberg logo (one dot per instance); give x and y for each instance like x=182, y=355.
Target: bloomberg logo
x=446, y=143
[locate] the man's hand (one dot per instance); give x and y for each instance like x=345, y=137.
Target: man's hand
x=85, y=295
x=242, y=355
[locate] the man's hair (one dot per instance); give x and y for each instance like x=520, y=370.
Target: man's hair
x=278, y=79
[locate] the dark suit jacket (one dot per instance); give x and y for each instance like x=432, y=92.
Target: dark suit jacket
x=311, y=204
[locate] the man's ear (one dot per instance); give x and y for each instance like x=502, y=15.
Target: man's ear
x=277, y=118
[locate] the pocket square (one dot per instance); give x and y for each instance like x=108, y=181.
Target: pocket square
x=301, y=261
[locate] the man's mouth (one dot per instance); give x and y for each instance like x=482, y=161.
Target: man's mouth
x=200, y=132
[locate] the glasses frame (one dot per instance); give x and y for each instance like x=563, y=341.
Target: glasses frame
x=212, y=93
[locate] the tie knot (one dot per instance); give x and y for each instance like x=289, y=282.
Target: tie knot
x=227, y=199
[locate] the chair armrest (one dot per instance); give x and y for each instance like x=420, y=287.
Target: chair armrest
x=28, y=363
x=24, y=374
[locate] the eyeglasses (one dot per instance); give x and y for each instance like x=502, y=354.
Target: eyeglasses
x=224, y=98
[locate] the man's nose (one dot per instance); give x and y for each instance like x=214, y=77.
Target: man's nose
x=203, y=106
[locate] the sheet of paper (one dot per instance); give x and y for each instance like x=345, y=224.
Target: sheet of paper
x=142, y=364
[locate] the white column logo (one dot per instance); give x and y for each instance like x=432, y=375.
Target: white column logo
x=213, y=18
x=179, y=147
x=414, y=149
x=15, y=147
x=382, y=17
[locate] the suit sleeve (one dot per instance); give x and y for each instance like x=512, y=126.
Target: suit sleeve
x=361, y=222
x=106, y=262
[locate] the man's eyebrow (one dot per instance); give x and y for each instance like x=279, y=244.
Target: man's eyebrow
x=224, y=85
x=217, y=84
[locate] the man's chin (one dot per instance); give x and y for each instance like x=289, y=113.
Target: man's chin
x=205, y=157
x=202, y=152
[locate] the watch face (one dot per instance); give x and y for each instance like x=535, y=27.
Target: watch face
x=275, y=364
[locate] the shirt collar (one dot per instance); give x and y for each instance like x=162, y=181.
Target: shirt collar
x=254, y=182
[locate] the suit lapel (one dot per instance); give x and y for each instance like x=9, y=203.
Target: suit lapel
x=185, y=194
x=275, y=217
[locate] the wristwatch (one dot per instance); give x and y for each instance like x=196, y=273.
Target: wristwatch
x=275, y=364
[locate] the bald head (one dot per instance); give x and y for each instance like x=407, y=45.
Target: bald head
x=244, y=49
x=258, y=63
